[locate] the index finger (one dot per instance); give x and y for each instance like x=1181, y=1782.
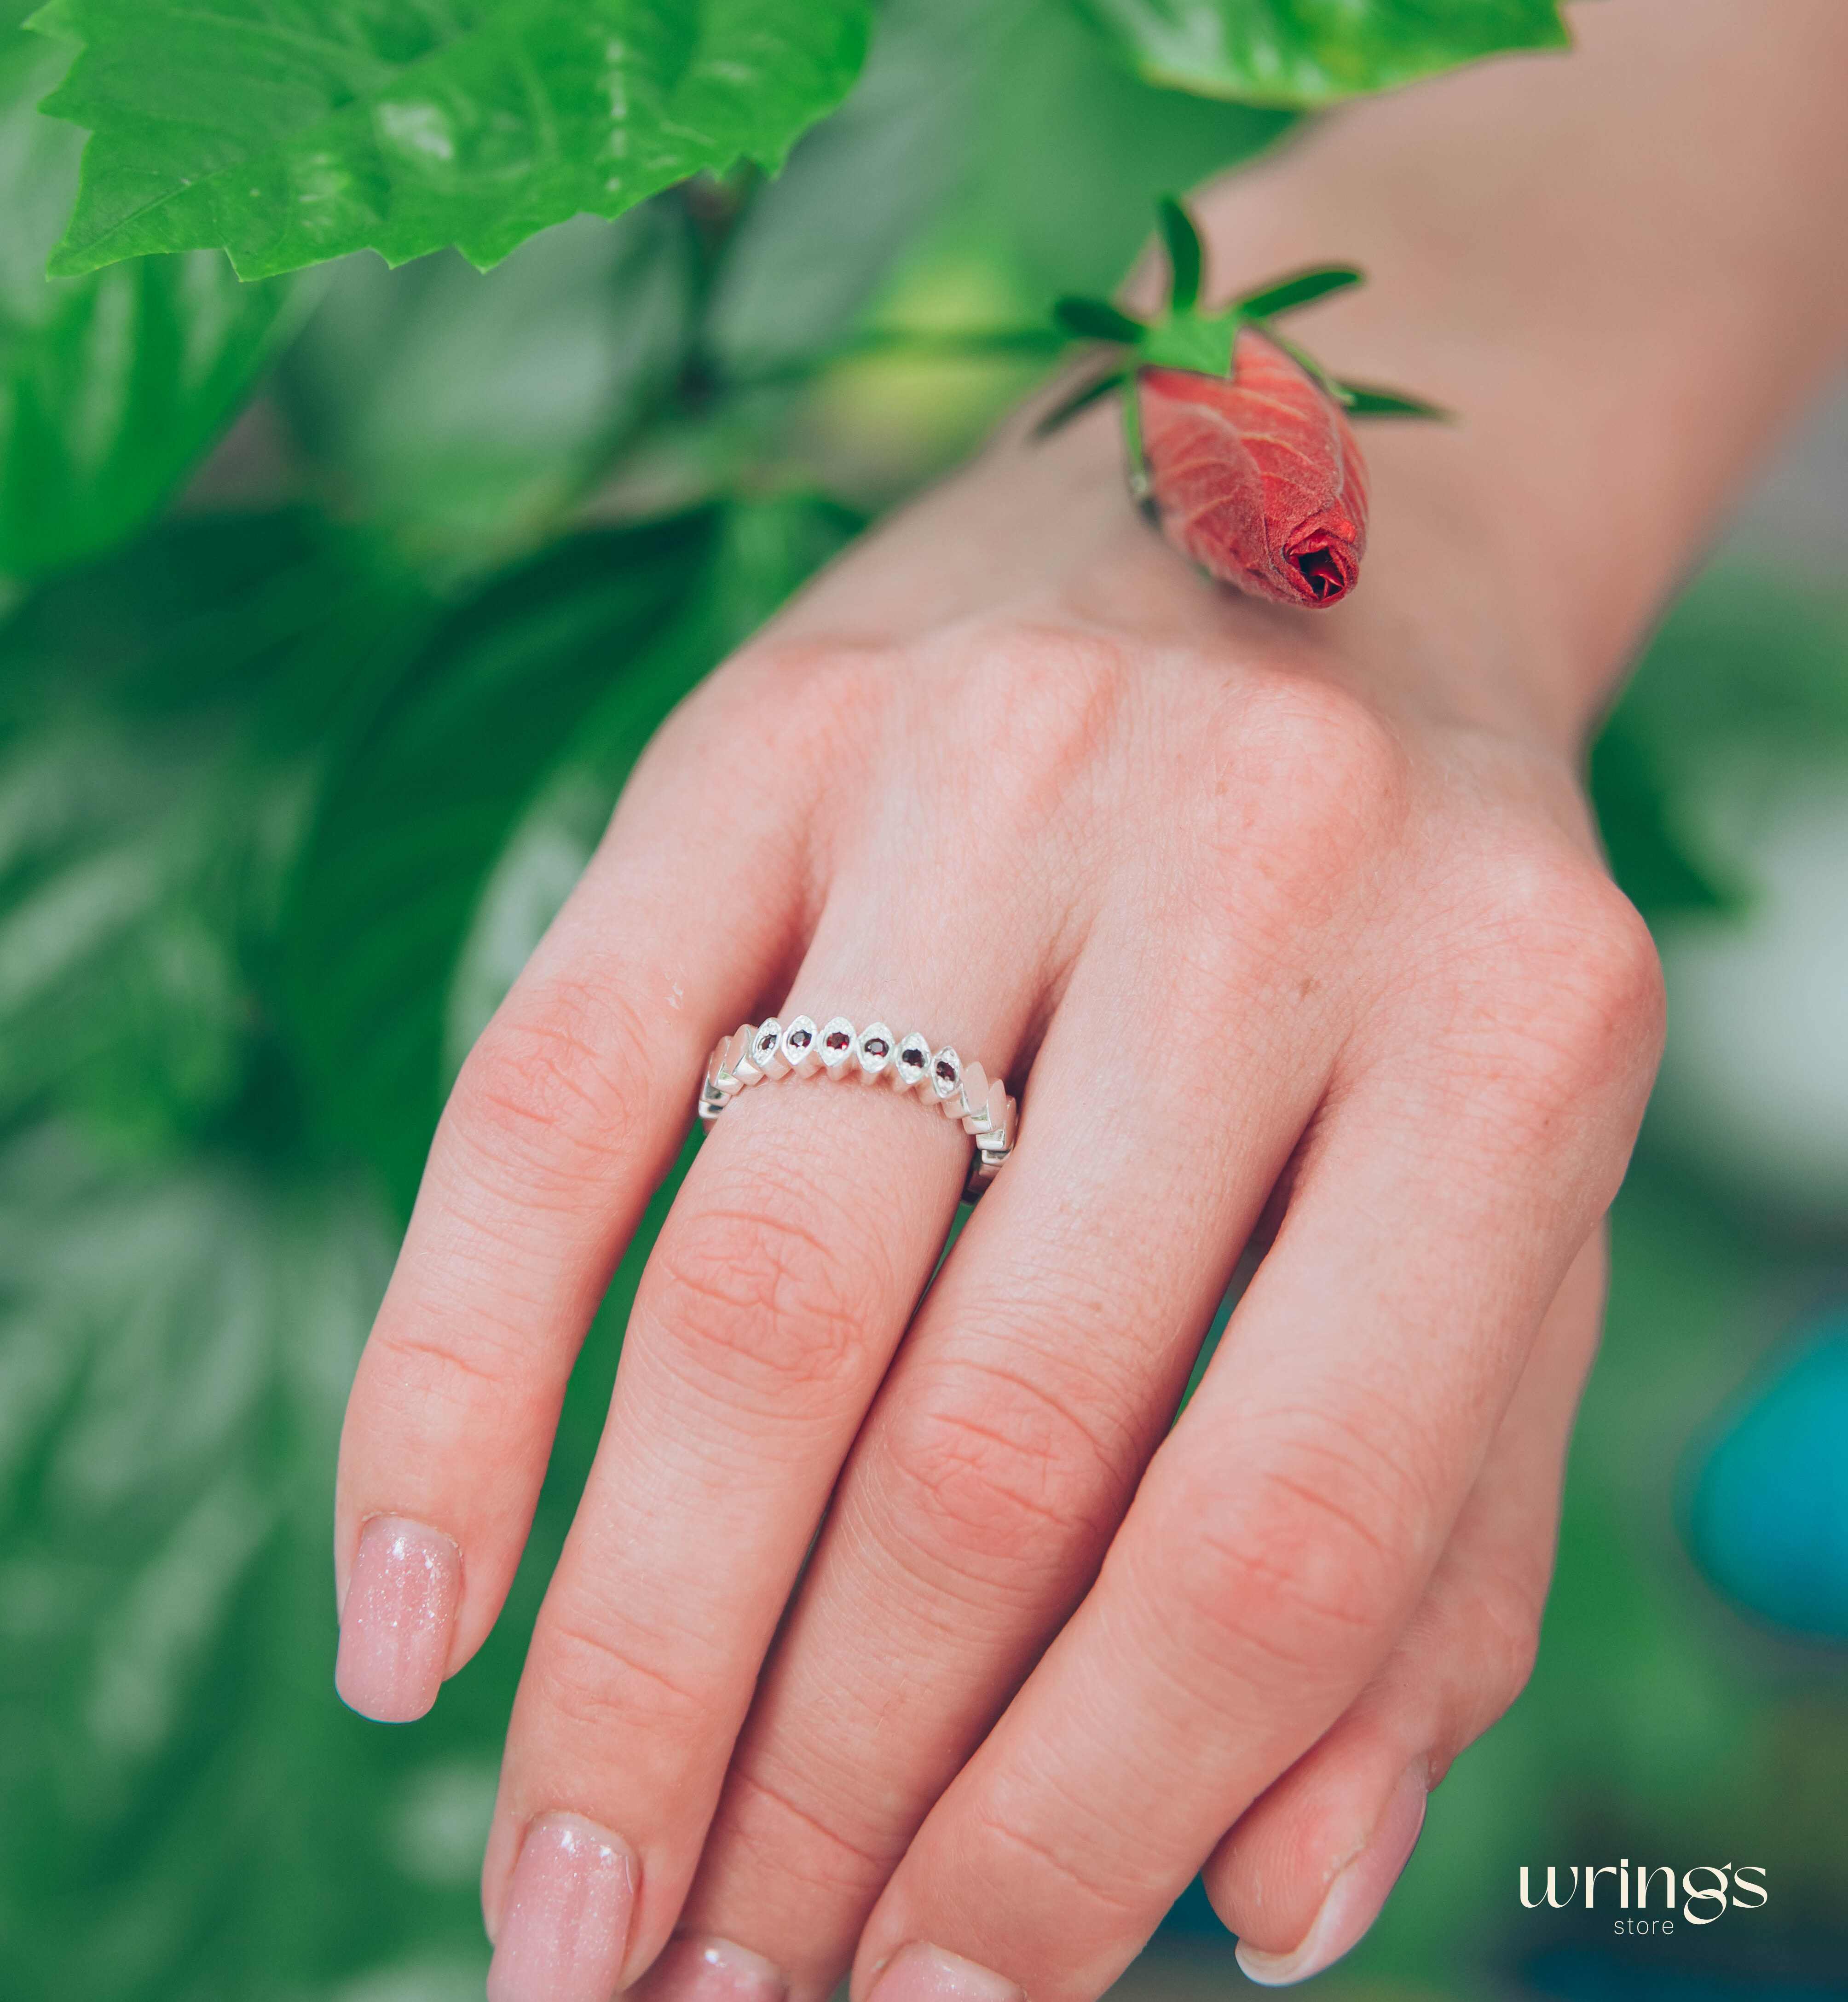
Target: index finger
x=567, y=1115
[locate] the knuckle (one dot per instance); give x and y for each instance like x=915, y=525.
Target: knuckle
x=1001, y=1479
x=1302, y=1560
x=1501, y=1629
x=1084, y=1864
x=1050, y=696
x=1506, y=1644
x=809, y=698
x=792, y=1827
x=557, y=1086
x=1302, y=787
x=452, y=1373
x=756, y=1293
x=1493, y=1636
x=1576, y=1006
x=595, y=1684
x=1305, y=764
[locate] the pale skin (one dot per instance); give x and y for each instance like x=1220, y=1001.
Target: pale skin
x=1290, y=927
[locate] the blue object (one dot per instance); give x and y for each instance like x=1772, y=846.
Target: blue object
x=1766, y=1517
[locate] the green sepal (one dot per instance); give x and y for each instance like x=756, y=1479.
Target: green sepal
x=1191, y=340
x=1081, y=398
x=1300, y=288
x=1205, y=343
x=1185, y=256
x=1097, y=319
x=1367, y=399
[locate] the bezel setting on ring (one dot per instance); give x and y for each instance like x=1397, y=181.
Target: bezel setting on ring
x=911, y=1061
x=836, y=1045
x=873, y=1048
x=800, y=1046
x=766, y=1052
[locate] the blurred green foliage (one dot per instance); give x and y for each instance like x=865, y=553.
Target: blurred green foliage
x=1303, y=52
x=112, y=386
x=288, y=790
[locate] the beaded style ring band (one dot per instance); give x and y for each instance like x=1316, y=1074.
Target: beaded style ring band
x=871, y=1055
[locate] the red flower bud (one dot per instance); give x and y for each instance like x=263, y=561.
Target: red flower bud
x=1256, y=477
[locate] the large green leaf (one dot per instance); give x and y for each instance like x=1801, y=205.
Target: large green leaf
x=420, y=810
x=465, y=410
x=1303, y=53
x=288, y=131
x=174, y=1350
x=458, y=822
x=192, y=1816
x=111, y=386
x=163, y=716
x=763, y=551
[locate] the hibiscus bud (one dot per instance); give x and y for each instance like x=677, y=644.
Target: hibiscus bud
x=1256, y=477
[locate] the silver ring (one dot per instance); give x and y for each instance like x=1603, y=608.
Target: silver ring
x=871, y=1055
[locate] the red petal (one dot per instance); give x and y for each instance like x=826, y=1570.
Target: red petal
x=1258, y=478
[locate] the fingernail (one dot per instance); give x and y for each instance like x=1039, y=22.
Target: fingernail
x=396, y=1625
x=1355, y=1898
x=695, y=1967
x=921, y=1973
x=564, y=1925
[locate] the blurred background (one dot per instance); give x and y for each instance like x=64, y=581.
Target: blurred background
x=332, y=612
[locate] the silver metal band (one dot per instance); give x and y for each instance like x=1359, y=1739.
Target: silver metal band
x=871, y=1055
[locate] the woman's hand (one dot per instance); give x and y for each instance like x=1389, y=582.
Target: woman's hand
x=1289, y=927
x=1266, y=910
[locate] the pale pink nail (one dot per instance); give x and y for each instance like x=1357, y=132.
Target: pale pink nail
x=921, y=1973
x=695, y=1967
x=396, y=1623
x=1354, y=1900
x=564, y=1925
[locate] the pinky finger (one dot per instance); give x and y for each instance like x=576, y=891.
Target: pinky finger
x=1304, y=1871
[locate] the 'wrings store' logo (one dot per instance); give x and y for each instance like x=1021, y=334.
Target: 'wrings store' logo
x=1707, y=1892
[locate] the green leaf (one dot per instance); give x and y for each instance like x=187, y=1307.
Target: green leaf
x=1070, y=152
x=175, y=1347
x=1366, y=400
x=161, y=718
x=464, y=411
x=1185, y=259
x=420, y=808
x=1081, y=398
x=288, y=131
x=763, y=550
x=863, y=184
x=1097, y=319
x=1653, y=860
x=1299, y=289
x=1306, y=52
x=549, y=681
x=112, y=387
